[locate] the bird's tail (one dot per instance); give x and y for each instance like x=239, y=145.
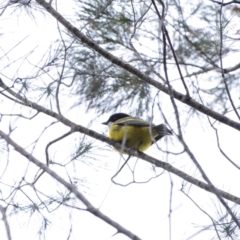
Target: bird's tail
x=162, y=131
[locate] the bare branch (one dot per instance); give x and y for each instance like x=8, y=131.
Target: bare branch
x=4, y=218
x=231, y=69
x=225, y=4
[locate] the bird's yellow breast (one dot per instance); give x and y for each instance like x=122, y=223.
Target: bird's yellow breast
x=138, y=137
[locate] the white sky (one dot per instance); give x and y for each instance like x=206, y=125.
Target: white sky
x=141, y=208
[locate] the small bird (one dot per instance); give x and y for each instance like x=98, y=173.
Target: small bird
x=133, y=132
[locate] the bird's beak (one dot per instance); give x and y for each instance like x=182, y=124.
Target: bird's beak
x=105, y=123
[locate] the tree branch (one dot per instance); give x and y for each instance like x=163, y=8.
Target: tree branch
x=4, y=218
x=78, y=128
x=179, y=96
x=89, y=207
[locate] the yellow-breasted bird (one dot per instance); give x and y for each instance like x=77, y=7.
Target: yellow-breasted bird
x=133, y=132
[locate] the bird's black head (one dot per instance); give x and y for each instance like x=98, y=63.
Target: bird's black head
x=115, y=117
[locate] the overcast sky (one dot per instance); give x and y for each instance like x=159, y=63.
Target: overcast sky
x=142, y=208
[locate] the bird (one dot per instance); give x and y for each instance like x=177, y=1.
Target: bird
x=134, y=132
